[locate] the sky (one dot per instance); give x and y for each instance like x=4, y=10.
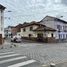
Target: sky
x=20, y=11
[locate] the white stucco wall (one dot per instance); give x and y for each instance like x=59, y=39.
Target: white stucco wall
x=34, y=33
x=2, y=23
x=53, y=24
x=49, y=34
x=27, y=32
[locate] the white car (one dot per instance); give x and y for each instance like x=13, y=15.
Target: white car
x=16, y=38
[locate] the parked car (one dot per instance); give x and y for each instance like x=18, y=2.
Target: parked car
x=16, y=38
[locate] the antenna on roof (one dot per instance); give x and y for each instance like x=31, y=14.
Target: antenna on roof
x=58, y=16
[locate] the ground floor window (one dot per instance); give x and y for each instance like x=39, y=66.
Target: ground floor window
x=60, y=36
x=30, y=35
x=40, y=35
x=52, y=35
x=63, y=36
x=66, y=36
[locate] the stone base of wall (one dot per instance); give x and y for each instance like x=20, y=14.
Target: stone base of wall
x=1, y=39
x=50, y=40
x=61, y=40
x=45, y=40
x=31, y=38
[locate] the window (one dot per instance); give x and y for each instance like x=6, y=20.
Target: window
x=31, y=28
x=65, y=28
x=63, y=36
x=52, y=35
x=24, y=30
x=59, y=28
x=66, y=36
x=30, y=35
x=60, y=36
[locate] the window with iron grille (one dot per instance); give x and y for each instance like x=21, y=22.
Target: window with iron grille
x=31, y=28
x=24, y=29
x=59, y=28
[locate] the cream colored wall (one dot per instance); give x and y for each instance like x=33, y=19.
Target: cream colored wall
x=48, y=34
x=34, y=33
x=27, y=32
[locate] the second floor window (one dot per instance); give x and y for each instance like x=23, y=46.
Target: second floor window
x=65, y=28
x=59, y=28
x=31, y=28
x=24, y=29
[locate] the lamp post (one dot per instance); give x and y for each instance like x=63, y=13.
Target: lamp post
x=8, y=18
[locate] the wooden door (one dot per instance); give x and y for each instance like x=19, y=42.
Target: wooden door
x=0, y=38
x=40, y=37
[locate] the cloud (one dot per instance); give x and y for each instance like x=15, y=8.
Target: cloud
x=27, y=10
x=64, y=2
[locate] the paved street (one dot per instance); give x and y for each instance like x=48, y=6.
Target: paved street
x=13, y=59
x=42, y=53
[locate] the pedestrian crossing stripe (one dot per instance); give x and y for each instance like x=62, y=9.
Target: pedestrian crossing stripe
x=9, y=55
x=6, y=53
x=12, y=59
x=44, y=65
x=22, y=63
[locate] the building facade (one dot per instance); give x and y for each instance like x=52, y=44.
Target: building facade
x=58, y=24
x=2, y=8
x=38, y=31
x=8, y=31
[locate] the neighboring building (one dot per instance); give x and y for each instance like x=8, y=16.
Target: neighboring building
x=14, y=31
x=38, y=31
x=48, y=29
x=2, y=8
x=8, y=31
x=58, y=24
x=17, y=29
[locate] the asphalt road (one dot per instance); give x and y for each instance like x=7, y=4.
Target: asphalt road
x=43, y=53
x=10, y=58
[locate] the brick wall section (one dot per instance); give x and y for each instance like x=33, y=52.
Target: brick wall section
x=14, y=31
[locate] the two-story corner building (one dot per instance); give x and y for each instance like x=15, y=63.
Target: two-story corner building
x=2, y=8
x=38, y=31
x=58, y=24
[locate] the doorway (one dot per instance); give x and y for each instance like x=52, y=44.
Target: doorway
x=40, y=37
x=0, y=38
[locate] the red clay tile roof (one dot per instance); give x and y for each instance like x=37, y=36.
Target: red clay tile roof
x=19, y=25
x=44, y=28
x=32, y=23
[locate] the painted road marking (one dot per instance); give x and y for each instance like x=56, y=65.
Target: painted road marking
x=6, y=53
x=22, y=63
x=44, y=65
x=12, y=59
x=9, y=55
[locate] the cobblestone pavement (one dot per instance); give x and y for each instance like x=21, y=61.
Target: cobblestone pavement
x=43, y=52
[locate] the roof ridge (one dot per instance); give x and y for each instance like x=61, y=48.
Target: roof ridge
x=55, y=19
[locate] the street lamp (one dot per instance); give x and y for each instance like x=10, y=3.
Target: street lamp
x=9, y=11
